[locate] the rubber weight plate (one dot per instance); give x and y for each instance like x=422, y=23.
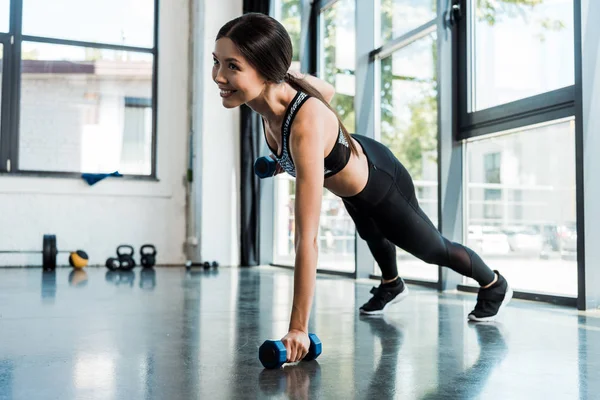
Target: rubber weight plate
x=49, y=252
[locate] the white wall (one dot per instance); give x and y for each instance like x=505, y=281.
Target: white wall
x=217, y=144
x=114, y=211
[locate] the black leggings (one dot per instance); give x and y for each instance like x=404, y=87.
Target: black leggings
x=387, y=214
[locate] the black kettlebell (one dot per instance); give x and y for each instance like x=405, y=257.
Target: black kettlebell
x=148, y=256
x=112, y=264
x=125, y=255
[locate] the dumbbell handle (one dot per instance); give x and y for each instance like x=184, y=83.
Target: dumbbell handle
x=265, y=167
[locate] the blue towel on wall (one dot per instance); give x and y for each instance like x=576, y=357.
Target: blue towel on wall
x=92, y=179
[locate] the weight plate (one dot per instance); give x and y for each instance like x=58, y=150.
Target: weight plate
x=49, y=252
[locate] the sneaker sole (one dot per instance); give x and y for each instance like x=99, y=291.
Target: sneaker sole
x=397, y=299
x=507, y=297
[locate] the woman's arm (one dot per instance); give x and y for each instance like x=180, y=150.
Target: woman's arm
x=325, y=88
x=307, y=148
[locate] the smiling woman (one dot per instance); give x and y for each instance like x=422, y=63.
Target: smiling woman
x=252, y=56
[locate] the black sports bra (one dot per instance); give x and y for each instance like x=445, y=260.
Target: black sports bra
x=334, y=162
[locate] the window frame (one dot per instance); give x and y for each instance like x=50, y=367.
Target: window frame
x=11, y=98
x=4, y=102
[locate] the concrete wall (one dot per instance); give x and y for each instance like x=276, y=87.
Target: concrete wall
x=100, y=217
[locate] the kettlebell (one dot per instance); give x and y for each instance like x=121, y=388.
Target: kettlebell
x=148, y=256
x=125, y=255
x=112, y=264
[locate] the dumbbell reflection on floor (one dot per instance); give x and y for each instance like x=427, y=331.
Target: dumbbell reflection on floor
x=300, y=381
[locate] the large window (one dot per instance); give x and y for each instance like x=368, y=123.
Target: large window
x=408, y=107
x=531, y=234
x=516, y=112
x=85, y=88
x=336, y=230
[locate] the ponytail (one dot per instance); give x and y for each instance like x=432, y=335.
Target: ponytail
x=303, y=86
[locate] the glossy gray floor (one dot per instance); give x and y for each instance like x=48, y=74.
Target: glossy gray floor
x=172, y=334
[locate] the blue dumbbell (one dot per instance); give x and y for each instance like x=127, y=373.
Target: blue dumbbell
x=265, y=167
x=272, y=353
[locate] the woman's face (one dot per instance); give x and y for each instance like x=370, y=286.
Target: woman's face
x=239, y=81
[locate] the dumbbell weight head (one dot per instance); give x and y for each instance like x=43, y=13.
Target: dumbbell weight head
x=125, y=254
x=265, y=167
x=148, y=256
x=206, y=265
x=315, y=349
x=272, y=353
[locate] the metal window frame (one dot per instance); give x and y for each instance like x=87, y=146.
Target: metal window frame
x=5, y=102
x=9, y=139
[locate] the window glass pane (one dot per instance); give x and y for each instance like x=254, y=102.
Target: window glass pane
x=291, y=14
x=122, y=22
x=401, y=16
x=338, y=57
x=542, y=61
x=409, y=128
x=1, y=72
x=85, y=110
x=4, y=15
x=336, y=229
x=521, y=207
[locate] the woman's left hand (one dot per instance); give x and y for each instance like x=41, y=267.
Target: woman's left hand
x=296, y=344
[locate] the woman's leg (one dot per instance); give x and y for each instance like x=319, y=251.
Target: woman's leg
x=405, y=224
x=392, y=288
x=389, y=199
x=384, y=251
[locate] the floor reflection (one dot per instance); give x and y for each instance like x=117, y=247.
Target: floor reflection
x=194, y=334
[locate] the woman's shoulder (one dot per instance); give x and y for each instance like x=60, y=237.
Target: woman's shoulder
x=312, y=110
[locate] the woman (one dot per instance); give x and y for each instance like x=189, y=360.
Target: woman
x=252, y=56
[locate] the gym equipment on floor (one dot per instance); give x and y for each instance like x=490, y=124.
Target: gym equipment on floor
x=148, y=256
x=205, y=264
x=124, y=260
x=77, y=259
x=272, y=353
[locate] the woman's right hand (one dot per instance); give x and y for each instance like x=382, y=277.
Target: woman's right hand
x=278, y=168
